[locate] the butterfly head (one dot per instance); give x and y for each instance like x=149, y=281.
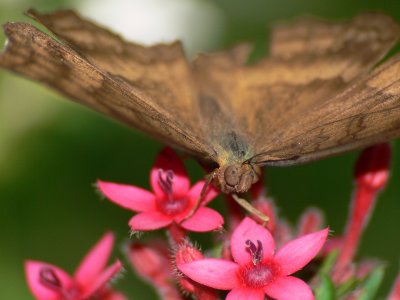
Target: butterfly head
x=237, y=178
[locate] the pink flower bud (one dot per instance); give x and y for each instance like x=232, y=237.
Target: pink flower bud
x=372, y=168
x=311, y=220
x=187, y=253
x=151, y=262
x=371, y=174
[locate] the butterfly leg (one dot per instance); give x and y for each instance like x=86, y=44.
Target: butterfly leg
x=209, y=178
x=250, y=208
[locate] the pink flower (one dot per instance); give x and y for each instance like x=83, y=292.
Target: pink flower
x=257, y=269
x=172, y=199
x=48, y=282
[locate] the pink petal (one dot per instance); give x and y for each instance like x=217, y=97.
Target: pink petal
x=395, y=292
x=101, y=280
x=128, y=196
x=204, y=219
x=112, y=295
x=297, y=253
x=169, y=160
x=289, y=288
x=216, y=273
x=195, y=191
x=40, y=290
x=248, y=229
x=149, y=221
x=95, y=261
x=245, y=294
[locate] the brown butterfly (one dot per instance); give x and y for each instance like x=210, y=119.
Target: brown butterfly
x=316, y=95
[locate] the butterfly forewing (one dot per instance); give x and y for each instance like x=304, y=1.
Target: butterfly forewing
x=160, y=73
x=36, y=55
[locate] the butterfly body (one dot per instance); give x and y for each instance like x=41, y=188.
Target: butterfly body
x=237, y=178
x=323, y=89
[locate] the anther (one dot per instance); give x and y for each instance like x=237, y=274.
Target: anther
x=255, y=251
x=165, y=180
x=49, y=279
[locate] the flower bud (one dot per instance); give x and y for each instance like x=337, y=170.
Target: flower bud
x=151, y=262
x=372, y=167
x=311, y=220
x=187, y=253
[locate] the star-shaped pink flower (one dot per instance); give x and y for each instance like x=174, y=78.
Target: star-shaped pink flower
x=257, y=270
x=172, y=199
x=48, y=282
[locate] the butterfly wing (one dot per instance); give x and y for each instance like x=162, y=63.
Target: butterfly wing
x=366, y=113
x=311, y=62
x=148, y=88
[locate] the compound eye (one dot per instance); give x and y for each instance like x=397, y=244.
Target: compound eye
x=231, y=176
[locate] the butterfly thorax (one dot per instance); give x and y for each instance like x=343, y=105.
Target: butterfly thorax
x=236, y=178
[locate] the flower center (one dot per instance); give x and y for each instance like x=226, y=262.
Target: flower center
x=257, y=276
x=49, y=279
x=258, y=273
x=168, y=204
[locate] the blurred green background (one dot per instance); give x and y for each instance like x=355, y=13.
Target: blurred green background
x=52, y=151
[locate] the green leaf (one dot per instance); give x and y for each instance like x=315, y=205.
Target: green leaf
x=371, y=285
x=347, y=286
x=326, y=289
x=328, y=263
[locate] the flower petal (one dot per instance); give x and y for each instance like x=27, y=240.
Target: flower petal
x=289, y=288
x=149, y=221
x=95, y=261
x=295, y=254
x=204, y=219
x=169, y=160
x=101, y=280
x=128, y=196
x=245, y=294
x=112, y=295
x=248, y=229
x=195, y=191
x=216, y=273
x=34, y=275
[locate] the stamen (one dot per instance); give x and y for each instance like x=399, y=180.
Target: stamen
x=49, y=279
x=255, y=251
x=165, y=180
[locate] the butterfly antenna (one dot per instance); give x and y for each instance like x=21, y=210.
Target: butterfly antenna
x=250, y=208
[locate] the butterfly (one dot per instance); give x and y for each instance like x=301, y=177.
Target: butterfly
x=321, y=91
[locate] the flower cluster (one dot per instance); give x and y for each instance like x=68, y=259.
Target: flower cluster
x=250, y=260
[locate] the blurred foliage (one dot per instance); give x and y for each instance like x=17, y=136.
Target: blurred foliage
x=52, y=151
